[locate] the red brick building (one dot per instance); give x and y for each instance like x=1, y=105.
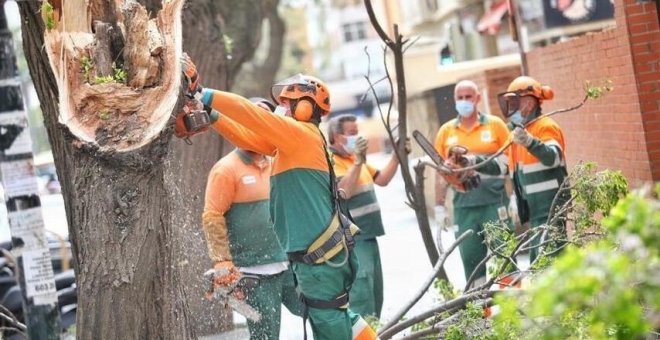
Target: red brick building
x=622, y=129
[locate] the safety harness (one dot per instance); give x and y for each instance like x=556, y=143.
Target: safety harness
x=338, y=236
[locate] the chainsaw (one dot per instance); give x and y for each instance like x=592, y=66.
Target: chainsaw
x=460, y=181
x=193, y=119
x=234, y=295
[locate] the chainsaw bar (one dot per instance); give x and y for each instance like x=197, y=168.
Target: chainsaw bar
x=228, y=297
x=428, y=148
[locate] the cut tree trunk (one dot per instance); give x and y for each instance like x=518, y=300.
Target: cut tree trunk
x=110, y=142
x=185, y=167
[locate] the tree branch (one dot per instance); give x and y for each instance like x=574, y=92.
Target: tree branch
x=429, y=280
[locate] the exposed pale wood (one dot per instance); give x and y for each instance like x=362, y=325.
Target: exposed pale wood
x=75, y=16
x=141, y=37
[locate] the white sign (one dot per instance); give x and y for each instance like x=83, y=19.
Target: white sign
x=18, y=178
x=28, y=225
x=39, y=279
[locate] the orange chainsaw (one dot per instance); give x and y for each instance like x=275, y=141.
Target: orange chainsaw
x=463, y=181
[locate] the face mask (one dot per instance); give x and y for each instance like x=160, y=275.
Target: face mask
x=464, y=108
x=517, y=118
x=349, y=146
x=280, y=111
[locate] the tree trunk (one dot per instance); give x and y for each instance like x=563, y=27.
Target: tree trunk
x=141, y=189
x=112, y=172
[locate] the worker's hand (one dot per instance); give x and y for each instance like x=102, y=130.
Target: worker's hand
x=361, y=150
x=190, y=72
x=441, y=217
x=226, y=275
x=522, y=137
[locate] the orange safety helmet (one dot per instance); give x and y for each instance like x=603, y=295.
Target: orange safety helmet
x=303, y=86
x=520, y=87
x=528, y=86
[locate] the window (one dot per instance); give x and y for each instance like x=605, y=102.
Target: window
x=354, y=31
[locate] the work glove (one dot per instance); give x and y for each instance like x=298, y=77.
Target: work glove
x=361, y=150
x=189, y=70
x=513, y=210
x=226, y=275
x=522, y=137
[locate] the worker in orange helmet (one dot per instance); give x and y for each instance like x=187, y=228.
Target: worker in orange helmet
x=537, y=161
x=317, y=238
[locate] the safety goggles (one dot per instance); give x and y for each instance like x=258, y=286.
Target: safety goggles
x=293, y=85
x=510, y=101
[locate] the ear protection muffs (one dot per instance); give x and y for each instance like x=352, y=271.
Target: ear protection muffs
x=304, y=110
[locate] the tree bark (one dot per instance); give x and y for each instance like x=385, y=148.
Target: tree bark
x=119, y=209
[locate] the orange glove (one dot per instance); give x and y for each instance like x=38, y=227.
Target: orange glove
x=227, y=275
x=190, y=72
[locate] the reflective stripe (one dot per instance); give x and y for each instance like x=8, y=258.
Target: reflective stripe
x=362, y=331
x=542, y=186
x=534, y=167
x=487, y=176
x=365, y=209
x=364, y=188
x=503, y=162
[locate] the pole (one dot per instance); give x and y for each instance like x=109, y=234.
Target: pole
x=517, y=27
x=29, y=246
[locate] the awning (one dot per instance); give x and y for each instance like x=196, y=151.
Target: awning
x=491, y=21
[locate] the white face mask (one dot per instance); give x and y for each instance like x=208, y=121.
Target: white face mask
x=349, y=146
x=280, y=111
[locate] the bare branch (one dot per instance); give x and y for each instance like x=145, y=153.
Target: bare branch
x=429, y=280
x=458, y=303
x=374, y=22
x=411, y=43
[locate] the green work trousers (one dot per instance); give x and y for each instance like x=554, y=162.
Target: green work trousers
x=473, y=250
x=327, y=282
x=366, y=295
x=267, y=298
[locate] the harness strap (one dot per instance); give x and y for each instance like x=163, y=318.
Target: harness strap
x=340, y=302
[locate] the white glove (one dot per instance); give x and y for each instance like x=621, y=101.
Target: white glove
x=522, y=137
x=361, y=146
x=513, y=210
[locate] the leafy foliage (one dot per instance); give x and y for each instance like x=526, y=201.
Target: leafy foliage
x=48, y=15
x=595, y=92
x=608, y=289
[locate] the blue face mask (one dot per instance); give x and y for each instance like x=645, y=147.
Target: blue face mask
x=464, y=108
x=516, y=118
x=350, y=143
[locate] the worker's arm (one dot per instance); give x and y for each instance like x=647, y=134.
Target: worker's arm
x=348, y=179
x=242, y=137
x=547, y=146
x=281, y=132
x=220, y=192
x=385, y=175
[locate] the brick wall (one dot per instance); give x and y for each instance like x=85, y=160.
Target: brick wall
x=622, y=129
